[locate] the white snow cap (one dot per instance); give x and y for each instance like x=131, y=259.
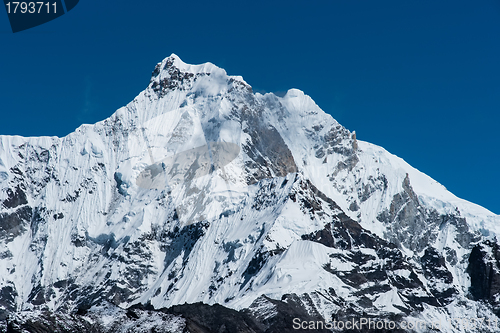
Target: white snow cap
x=174, y=61
x=207, y=67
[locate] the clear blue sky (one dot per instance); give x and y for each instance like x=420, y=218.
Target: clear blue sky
x=420, y=78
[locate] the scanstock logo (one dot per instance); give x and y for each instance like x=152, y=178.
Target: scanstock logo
x=179, y=174
x=197, y=176
x=28, y=14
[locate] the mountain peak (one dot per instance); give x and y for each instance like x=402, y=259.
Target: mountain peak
x=173, y=61
x=172, y=69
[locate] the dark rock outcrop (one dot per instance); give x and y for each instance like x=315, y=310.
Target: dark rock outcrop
x=484, y=271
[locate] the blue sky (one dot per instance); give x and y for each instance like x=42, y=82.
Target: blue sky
x=420, y=78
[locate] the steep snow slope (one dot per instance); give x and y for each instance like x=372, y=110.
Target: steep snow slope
x=201, y=190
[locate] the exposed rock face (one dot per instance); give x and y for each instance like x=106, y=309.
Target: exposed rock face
x=15, y=198
x=15, y=224
x=278, y=161
x=263, y=208
x=372, y=271
x=439, y=277
x=484, y=271
x=415, y=226
x=265, y=316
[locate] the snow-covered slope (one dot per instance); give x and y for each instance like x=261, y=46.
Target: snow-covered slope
x=201, y=190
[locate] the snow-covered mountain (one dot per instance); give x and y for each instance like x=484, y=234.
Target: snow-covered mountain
x=200, y=190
